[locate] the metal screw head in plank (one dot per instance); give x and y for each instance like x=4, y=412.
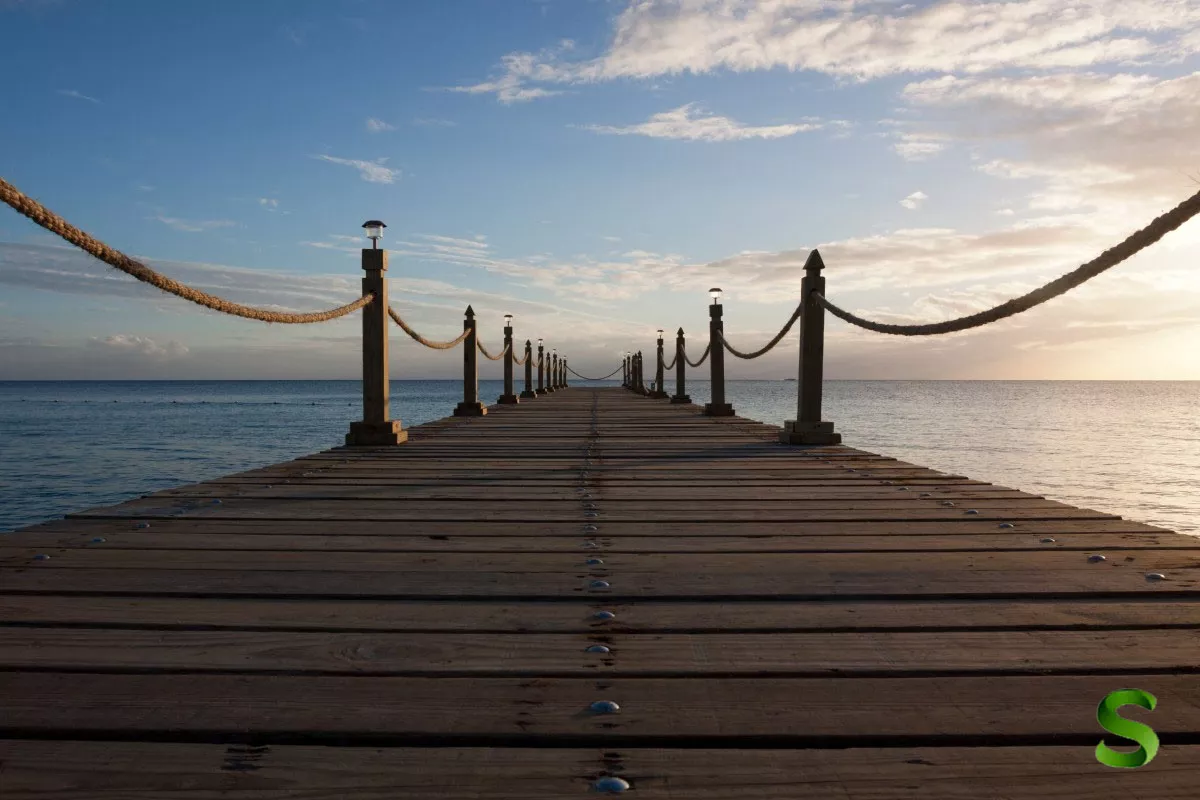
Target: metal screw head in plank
x=595, y=562
x=1096, y=559
x=970, y=511
x=589, y=514
x=604, y=707
x=901, y=488
x=1047, y=540
x=604, y=615
x=925, y=494
x=98, y=540
x=947, y=503
x=591, y=545
x=610, y=784
x=589, y=528
x=141, y=525
x=216, y=502
x=600, y=585
x=888, y=483
x=1007, y=525
x=1155, y=576
x=41, y=557
x=598, y=648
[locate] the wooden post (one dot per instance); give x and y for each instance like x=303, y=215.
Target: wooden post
x=641, y=374
x=375, y=429
x=565, y=374
x=509, y=398
x=470, y=406
x=659, y=392
x=551, y=368
x=680, y=367
x=541, y=368
x=528, y=394
x=716, y=359
x=625, y=372
x=808, y=428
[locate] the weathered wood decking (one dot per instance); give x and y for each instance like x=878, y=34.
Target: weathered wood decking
x=416, y=622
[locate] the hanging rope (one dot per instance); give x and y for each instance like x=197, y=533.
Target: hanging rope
x=419, y=338
x=520, y=362
x=671, y=366
x=586, y=378
x=707, y=348
x=488, y=355
x=1140, y=240
x=43, y=216
x=778, y=337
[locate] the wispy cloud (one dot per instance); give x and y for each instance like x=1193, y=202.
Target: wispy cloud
x=370, y=171
x=691, y=123
x=77, y=95
x=194, y=226
x=914, y=200
x=377, y=125
x=143, y=346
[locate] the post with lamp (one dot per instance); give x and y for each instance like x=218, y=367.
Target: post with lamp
x=470, y=406
x=541, y=368
x=658, y=373
x=808, y=428
x=528, y=394
x=551, y=368
x=376, y=428
x=509, y=398
x=716, y=359
x=680, y=365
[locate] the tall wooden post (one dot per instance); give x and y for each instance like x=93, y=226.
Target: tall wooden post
x=641, y=374
x=565, y=375
x=808, y=428
x=375, y=429
x=541, y=368
x=551, y=368
x=509, y=398
x=470, y=406
x=680, y=368
x=528, y=393
x=716, y=359
x=659, y=392
x=625, y=372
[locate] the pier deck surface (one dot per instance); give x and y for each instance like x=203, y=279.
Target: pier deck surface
x=789, y=623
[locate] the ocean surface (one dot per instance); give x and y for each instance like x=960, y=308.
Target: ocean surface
x=1129, y=448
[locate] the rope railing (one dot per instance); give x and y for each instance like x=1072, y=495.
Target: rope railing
x=520, y=362
x=419, y=338
x=707, y=350
x=52, y=222
x=1140, y=240
x=487, y=355
x=586, y=378
x=671, y=366
x=770, y=345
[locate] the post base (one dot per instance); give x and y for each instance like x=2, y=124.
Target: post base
x=528, y=394
x=659, y=395
x=470, y=410
x=680, y=399
x=809, y=433
x=541, y=391
x=376, y=434
x=550, y=390
x=508, y=400
x=718, y=410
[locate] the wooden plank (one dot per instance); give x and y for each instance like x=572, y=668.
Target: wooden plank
x=577, y=616
x=81, y=770
x=825, y=712
x=641, y=655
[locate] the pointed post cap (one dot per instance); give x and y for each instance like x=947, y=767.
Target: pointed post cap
x=470, y=313
x=679, y=332
x=528, y=343
x=814, y=263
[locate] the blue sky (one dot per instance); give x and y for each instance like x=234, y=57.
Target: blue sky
x=593, y=167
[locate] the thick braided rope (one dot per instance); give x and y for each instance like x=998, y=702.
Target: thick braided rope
x=671, y=366
x=1140, y=240
x=115, y=258
x=488, y=355
x=520, y=362
x=778, y=337
x=586, y=378
x=707, y=349
x=419, y=338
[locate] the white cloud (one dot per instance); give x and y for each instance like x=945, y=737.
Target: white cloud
x=194, y=226
x=914, y=200
x=690, y=123
x=77, y=95
x=269, y=203
x=370, y=171
x=376, y=125
x=139, y=345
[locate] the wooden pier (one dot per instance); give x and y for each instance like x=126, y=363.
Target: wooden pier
x=449, y=618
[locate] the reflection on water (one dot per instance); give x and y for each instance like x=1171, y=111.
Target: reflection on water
x=1130, y=448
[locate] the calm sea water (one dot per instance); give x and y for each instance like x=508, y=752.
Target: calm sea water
x=1130, y=448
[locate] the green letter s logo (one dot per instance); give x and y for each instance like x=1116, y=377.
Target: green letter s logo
x=1111, y=721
